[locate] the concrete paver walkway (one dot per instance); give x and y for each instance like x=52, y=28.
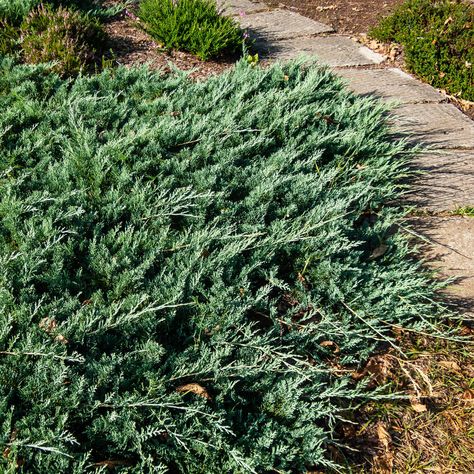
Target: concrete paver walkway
x=448, y=181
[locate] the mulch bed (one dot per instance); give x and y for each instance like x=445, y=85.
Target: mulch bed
x=345, y=16
x=131, y=46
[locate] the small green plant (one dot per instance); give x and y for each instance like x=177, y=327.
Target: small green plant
x=68, y=38
x=438, y=41
x=252, y=59
x=194, y=26
x=466, y=211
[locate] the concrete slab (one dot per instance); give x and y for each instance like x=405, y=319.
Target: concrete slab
x=390, y=84
x=447, y=182
x=332, y=50
x=451, y=251
x=440, y=125
x=240, y=7
x=280, y=24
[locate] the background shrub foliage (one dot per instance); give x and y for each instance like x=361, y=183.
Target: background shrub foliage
x=68, y=33
x=191, y=25
x=187, y=270
x=438, y=42
x=14, y=11
x=69, y=38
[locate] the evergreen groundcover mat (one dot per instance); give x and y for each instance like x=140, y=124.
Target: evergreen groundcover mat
x=189, y=272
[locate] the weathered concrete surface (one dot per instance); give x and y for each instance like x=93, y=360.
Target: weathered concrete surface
x=280, y=24
x=440, y=125
x=239, y=7
x=451, y=251
x=390, y=84
x=332, y=50
x=447, y=182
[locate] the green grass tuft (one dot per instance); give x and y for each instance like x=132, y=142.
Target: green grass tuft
x=467, y=211
x=190, y=271
x=194, y=26
x=438, y=42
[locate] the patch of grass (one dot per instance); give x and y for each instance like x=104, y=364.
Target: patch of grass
x=467, y=211
x=194, y=26
x=432, y=432
x=438, y=42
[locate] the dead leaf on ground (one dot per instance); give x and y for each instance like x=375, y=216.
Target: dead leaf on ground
x=331, y=345
x=468, y=395
x=383, y=462
x=49, y=326
x=384, y=436
x=448, y=364
x=378, y=367
x=323, y=8
x=378, y=252
x=194, y=388
x=417, y=406
x=60, y=338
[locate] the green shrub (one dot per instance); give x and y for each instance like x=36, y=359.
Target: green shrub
x=69, y=38
x=190, y=271
x=438, y=42
x=191, y=25
x=9, y=36
x=13, y=11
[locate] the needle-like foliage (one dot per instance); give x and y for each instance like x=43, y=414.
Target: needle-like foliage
x=190, y=271
x=195, y=26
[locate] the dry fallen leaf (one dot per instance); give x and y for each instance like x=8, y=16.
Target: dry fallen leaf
x=60, y=338
x=468, y=395
x=331, y=345
x=194, y=388
x=384, y=436
x=49, y=327
x=383, y=461
x=448, y=364
x=378, y=252
x=417, y=406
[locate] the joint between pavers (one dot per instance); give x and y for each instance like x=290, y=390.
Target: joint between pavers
x=250, y=13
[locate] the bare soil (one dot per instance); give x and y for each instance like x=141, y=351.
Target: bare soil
x=345, y=16
x=131, y=46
